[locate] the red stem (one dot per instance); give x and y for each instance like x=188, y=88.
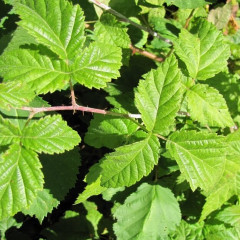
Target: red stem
x=78, y=108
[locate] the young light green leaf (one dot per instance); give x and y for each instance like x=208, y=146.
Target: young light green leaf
x=93, y=180
x=111, y=31
x=97, y=65
x=233, y=141
x=91, y=189
x=221, y=232
x=187, y=231
x=158, y=97
x=208, y=106
x=39, y=72
x=15, y=94
x=152, y=210
x=201, y=157
x=50, y=135
x=205, y=54
x=42, y=204
x=109, y=131
x=21, y=179
x=129, y=163
x=8, y=132
x=56, y=24
x=93, y=215
x=230, y=215
x=225, y=188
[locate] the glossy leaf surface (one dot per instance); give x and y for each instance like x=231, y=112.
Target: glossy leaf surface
x=21, y=179
x=158, y=97
x=129, y=163
x=201, y=157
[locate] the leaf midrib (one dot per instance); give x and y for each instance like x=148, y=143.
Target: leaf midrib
x=127, y=162
x=36, y=13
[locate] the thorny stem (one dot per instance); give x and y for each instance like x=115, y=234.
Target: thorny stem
x=77, y=107
x=125, y=19
x=146, y=54
x=72, y=96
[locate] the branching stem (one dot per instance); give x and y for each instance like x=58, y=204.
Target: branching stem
x=77, y=107
x=73, y=97
x=125, y=19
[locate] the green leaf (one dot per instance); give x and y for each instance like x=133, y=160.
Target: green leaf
x=73, y=226
x=155, y=2
x=19, y=117
x=200, y=156
x=109, y=131
x=8, y=132
x=56, y=24
x=60, y=172
x=230, y=215
x=21, y=179
x=97, y=65
x=40, y=72
x=187, y=4
x=158, y=97
x=152, y=212
x=129, y=163
x=137, y=36
x=42, y=204
x=15, y=94
x=6, y=224
x=60, y=175
x=225, y=188
x=50, y=135
x=90, y=190
x=233, y=141
x=186, y=231
x=221, y=232
x=111, y=31
x=205, y=53
x=93, y=180
x=20, y=38
x=125, y=7
x=208, y=106
x=109, y=193
x=93, y=215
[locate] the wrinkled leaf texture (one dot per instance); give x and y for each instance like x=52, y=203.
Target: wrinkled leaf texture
x=15, y=94
x=129, y=163
x=21, y=179
x=56, y=24
x=158, y=96
x=109, y=131
x=50, y=135
x=208, y=106
x=205, y=53
x=201, y=157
